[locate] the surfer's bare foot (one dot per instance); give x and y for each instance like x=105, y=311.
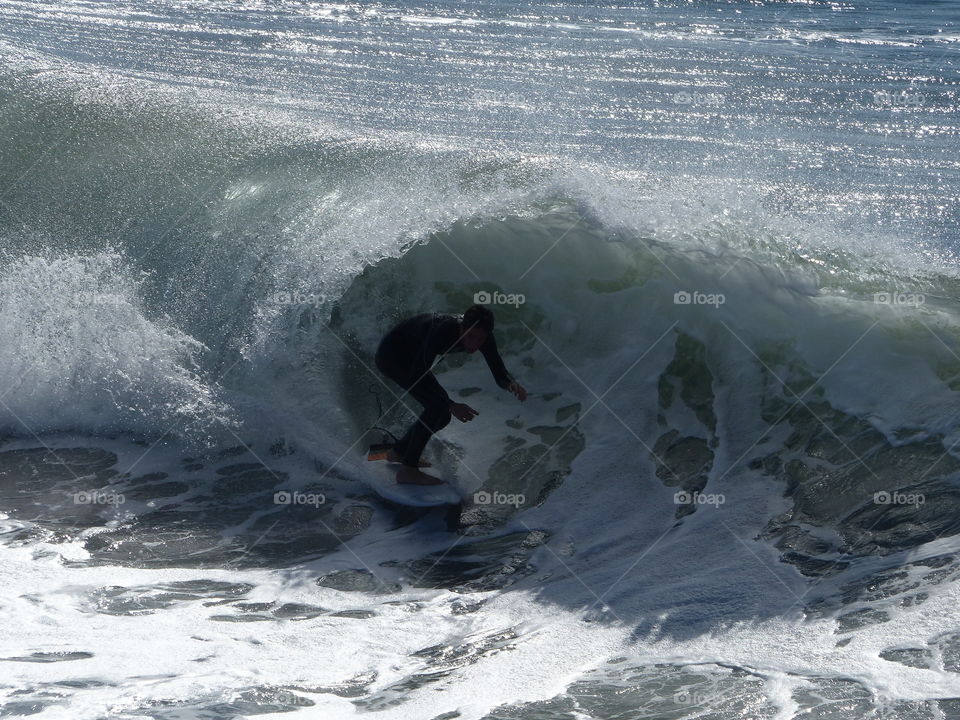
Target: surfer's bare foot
x=393, y=457
x=407, y=475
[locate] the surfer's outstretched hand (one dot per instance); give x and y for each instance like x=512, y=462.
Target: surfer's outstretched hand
x=462, y=412
x=517, y=389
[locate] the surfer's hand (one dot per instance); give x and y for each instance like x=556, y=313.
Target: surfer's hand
x=462, y=412
x=517, y=389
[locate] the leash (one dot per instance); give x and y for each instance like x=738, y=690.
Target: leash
x=373, y=390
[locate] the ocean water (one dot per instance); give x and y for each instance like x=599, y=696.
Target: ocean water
x=720, y=240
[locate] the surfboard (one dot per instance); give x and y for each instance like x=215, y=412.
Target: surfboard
x=382, y=479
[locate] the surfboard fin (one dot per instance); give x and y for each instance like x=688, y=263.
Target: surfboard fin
x=379, y=451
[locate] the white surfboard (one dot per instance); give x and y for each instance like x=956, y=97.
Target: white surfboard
x=381, y=476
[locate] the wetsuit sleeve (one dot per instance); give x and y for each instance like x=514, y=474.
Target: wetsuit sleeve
x=495, y=362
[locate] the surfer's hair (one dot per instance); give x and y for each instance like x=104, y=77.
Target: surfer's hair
x=478, y=316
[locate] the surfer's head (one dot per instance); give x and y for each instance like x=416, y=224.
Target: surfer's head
x=476, y=325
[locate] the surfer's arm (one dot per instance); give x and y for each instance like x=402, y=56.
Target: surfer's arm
x=500, y=374
x=495, y=362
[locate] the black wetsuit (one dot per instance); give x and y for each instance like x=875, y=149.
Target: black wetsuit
x=407, y=353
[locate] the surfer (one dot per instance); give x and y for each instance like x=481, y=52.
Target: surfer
x=406, y=354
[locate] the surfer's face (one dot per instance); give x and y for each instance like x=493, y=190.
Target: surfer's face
x=473, y=339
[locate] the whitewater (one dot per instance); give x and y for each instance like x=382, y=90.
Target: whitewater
x=720, y=242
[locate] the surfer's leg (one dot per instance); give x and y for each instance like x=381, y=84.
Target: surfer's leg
x=388, y=362
x=435, y=415
x=427, y=391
